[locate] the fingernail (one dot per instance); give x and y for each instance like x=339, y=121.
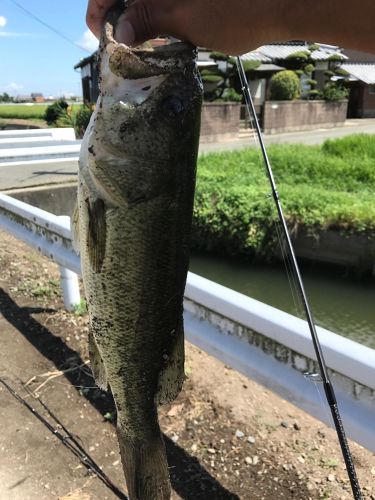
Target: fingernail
x=125, y=32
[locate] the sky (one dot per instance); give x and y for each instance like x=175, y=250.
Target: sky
x=33, y=58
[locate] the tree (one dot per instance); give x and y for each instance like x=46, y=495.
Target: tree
x=222, y=83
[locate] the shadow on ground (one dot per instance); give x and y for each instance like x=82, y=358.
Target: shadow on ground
x=188, y=477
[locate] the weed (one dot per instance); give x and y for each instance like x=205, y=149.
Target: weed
x=330, y=462
x=43, y=291
x=81, y=308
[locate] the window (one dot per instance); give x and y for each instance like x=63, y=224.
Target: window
x=371, y=89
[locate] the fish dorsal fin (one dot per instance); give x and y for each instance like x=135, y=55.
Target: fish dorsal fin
x=97, y=233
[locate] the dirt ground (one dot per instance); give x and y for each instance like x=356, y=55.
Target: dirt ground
x=226, y=437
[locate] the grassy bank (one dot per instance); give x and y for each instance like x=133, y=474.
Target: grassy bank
x=321, y=187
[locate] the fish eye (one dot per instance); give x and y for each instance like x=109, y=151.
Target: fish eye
x=172, y=106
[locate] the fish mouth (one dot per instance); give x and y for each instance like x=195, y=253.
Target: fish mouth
x=140, y=62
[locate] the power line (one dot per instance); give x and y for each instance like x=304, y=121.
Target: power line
x=54, y=30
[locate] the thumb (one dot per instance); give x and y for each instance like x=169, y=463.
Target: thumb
x=138, y=24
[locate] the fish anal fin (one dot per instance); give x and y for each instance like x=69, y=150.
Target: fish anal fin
x=97, y=365
x=172, y=376
x=97, y=233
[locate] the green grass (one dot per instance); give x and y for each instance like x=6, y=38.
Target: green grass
x=329, y=186
x=22, y=111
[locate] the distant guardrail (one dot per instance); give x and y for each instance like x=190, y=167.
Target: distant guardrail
x=266, y=344
x=57, y=134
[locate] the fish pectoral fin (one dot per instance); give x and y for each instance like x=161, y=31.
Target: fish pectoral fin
x=74, y=227
x=172, y=375
x=97, y=233
x=97, y=365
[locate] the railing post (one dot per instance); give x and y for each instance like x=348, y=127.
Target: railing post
x=70, y=287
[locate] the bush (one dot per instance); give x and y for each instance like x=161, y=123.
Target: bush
x=56, y=111
x=300, y=56
x=336, y=58
x=312, y=82
x=212, y=78
x=334, y=92
x=81, y=120
x=309, y=68
x=230, y=95
x=313, y=47
x=314, y=94
x=285, y=86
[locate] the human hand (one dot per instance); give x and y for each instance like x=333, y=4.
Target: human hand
x=232, y=26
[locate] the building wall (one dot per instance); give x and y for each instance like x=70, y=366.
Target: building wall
x=368, y=106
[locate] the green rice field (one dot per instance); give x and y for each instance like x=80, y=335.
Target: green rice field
x=22, y=111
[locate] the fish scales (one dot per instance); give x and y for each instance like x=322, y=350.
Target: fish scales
x=135, y=200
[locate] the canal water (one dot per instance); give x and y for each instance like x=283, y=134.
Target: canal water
x=340, y=302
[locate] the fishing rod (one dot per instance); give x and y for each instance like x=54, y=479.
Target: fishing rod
x=68, y=441
x=328, y=388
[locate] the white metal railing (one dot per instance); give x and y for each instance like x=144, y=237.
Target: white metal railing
x=27, y=153
x=50, y=235
x=222, y=322
x=57, y=134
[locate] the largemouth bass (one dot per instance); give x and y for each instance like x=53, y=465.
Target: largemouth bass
x=135, y=199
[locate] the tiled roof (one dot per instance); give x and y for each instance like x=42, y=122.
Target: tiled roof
x=279, y=51
x=363, y=72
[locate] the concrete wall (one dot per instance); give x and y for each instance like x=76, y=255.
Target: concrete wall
x=290, y=116
x=220, y=121
x=330, y=246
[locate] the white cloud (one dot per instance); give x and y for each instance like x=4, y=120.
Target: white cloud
x=14, y=34
x=88, y=41
x=3, y=21
x=12, y=88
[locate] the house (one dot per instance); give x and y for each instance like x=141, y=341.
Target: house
x=37, y=97
x=277, y=56
x=272, y=57
x=89, y=77
x=361, y=69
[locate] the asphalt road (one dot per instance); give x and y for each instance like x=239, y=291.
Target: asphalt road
x=40, y=172
x=37, y=173
x=309, y=137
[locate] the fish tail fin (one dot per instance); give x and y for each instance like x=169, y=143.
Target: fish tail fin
x=145, y=467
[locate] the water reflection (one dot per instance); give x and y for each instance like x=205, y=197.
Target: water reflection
x=340, y=302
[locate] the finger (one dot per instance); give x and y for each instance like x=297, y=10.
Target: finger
x=137, y=24
x=96, y=13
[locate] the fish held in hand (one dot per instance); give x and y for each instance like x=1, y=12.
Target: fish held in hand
x=135, y=200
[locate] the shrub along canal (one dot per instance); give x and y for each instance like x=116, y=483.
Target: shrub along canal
x=340, y=302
